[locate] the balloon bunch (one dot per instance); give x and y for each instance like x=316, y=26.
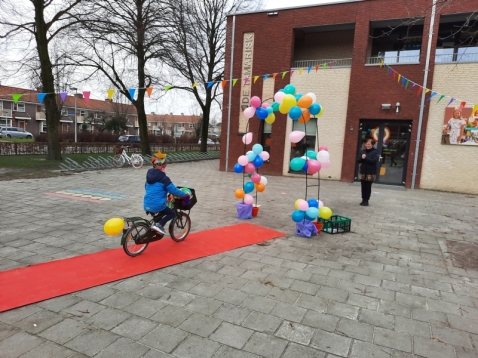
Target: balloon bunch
x=263, y=111
x=311, y=162
x=249, y=163
x=309, y=210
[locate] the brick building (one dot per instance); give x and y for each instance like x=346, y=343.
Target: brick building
x=335, y=51
x=173, y=124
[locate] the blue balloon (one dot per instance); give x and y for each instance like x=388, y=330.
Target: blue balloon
x=312, y=213
x=261, y=113
x=314, y=108
x=257, y=149
x=270, y=110
x=304, y=168
x=297, y=96
x=250, y=156
x=313, y=203
x=295, y=113
x=238, y=168
x=248, y=187
x=258, y=161
x=298, y=216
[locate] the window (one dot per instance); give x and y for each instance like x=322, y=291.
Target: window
x=456, y=41
x=19, y=107
x=43, y=127
x=64, y=111
x=149, y=124
x=266, y=136
x=191, y=125
x=1, y=105
x=82, y=113
x=309, y=141
x=64, y=128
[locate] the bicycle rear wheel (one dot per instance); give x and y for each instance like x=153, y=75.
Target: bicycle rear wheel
x=137, y=161
x=180, y=226
x=118, y=160
x=132, y=235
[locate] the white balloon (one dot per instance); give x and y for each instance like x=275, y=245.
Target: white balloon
x=312, y=95
x=323, y=156
x=264, y=180
x=247, y=138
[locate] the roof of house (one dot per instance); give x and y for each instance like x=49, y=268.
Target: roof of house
x=172, y=118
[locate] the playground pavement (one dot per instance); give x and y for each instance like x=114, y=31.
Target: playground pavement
x=392, y=287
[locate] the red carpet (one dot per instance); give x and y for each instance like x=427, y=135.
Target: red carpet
x=23, y=286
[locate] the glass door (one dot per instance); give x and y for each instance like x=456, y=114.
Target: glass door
x=392, y=140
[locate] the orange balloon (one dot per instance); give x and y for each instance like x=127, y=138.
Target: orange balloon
x=239, y=193
x=304, y=101
x=260, y=187
x=305, y=117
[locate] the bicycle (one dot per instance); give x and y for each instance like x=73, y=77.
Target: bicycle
x=138, y=235
x=121, y=157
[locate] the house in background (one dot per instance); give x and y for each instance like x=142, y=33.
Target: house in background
x=172, y=124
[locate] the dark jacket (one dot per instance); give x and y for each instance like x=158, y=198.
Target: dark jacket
x=157, y=187
x=369, y=164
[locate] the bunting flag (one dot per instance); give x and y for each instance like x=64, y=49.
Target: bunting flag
x=399, y=78
x=234, y=82
x=462, y=105
x=291, y=72
x=167, y=88
x=426, y=90
x=246, y=80
x=195, y=84
x=41, y=97
x=224, y=82
x=209, y=84
x=420, y=89
x=381, y=63
x=111, y=92
x=441, y=97
x=308, y=69
x=394, y=74
x=255, y=78
x=432, y=95
x=149, y=90
x=316, y=68
x=63, y=95
x=414, y=84
x=16, y=97
x=86, y=95
x=274, y=75
x=132, y=92
x=300, y=71
x=325, y=66
x=403, y=81
x=451, y=101
x=283, y=74
x=266, y=77
x=407, y=83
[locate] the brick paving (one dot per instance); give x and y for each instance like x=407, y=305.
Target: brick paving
x=388, y=288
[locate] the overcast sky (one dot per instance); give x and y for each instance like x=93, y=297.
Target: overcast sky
x=280, y=4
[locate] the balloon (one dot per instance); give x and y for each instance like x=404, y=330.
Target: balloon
x=297, y=164
x=260, y=187
x=275, y=106
x=325, y=212
x=302, y=205
x=321, y=204
x=239, y=193
x=313, y=203
x=238, y=168
x=265, y=105
x=314, y=166
x=304, y=101
x=271, y=118
x=255, y=102
x=295, y=113
x=249, y=168
x=243, y=160
x=269, y=110
x=250, y=156
x=248, y=199
x=264, y=155
x=314, y=108
x=305, y=116
x=284, y=109
x=248, y=187
x=113, y=226
x=312, y=95
x=311, y=154
x=296, y=136
x=264, y=180
x=289, y=100
x=312, y=213
x=249, y=112
x=247, y=138
x=321, y=111
x=326, y=164
x=258, y=161
x=289, y=89
x=257, y=149
x=256, y=178
x=323, y=147
x=298, y=216
x=279, y=96
x=323, y=156
x=297, y=96
x=304, y=168
x=261, y=113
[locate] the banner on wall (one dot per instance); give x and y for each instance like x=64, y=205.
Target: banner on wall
x=460, y=126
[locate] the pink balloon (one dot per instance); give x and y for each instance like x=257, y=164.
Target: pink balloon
x=264, y=155
x=323, y=147
x=243, y=160
x=313, y=166
x=248, y=199
x=296, y=136
x=279, y=96
x=303, y=205
x=249, y=112
x=247, y=138
x=326, y=164
x=256, y=178
x=321, y=204
x=265, y=105
x=249, y=168
x=255, y=102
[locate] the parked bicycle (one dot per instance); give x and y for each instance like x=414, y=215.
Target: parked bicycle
x=135, y=160
x=139, y=234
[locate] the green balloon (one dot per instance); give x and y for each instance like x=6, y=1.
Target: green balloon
x=275, y=106
x=311, y=154
x=297, y=164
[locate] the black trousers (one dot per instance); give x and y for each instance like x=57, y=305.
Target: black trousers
x=366, y=189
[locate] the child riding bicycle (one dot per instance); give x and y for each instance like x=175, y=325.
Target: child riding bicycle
x=157, y=187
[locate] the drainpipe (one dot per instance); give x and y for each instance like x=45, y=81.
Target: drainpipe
x=230, y=92
x=422, y=104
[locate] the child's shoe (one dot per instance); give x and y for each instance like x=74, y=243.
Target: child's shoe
x=158, y=228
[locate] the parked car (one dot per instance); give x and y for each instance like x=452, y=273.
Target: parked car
x=209, y=141
x=14, y=132
x=129, y=139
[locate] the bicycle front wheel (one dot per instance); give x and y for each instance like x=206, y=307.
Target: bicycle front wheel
x=180, y=226
x=132, y=235
x=137, y=161
x=118, y=160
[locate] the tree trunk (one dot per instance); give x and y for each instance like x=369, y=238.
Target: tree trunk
x=205, y=121
x=52, y=112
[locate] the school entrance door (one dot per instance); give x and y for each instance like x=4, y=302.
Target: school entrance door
x=392, y=142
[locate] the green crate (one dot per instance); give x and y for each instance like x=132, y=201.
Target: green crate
x=336, y=224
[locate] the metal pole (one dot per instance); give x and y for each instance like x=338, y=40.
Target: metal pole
x=422, y=104
x=230, y=91
x=76, y=99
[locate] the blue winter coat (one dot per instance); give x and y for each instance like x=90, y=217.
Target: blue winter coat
x=157, y=187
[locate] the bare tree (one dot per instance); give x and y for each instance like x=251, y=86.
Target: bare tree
x=39, y=22
x=196, y=49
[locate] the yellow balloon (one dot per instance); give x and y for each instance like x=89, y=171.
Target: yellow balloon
x=114, y=226
x=325, y=212
x=289, y=101
x=271, y=118
x=296, y=204
x=284, y=109
x=321, y=112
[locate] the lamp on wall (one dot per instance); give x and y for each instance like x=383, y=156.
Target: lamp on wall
x=397, y=107
x=386, y=106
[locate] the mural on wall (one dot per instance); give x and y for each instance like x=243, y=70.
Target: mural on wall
x=460, y=126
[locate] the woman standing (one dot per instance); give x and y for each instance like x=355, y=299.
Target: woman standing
x=368, y=159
